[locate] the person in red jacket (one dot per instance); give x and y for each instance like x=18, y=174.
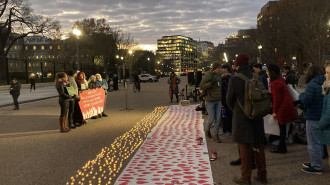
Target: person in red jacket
x=283, y=108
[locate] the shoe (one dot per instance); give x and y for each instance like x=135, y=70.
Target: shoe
x=100, y=115
x=94, y=117
x=279, y=150
x=261, y=180
x=104, y=115
x=235, y=162
x=306, y=165
x=311, y=170
x=208, y=134
x=62, y=123
x=78, y=124
x=241, y=181
x=216, y=139
x=222, y=134
x=16, y=108
x=228, y=133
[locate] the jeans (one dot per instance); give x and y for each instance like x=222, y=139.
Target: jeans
x=15, y=97
x=315, y=148
x=214, y=114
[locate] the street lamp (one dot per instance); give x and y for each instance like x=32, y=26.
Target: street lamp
x=130, y=67
x=260, y=48
x=148, y=64
x=77, y=33
x=124, y=76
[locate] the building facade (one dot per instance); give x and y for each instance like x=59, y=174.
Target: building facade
x=180, y=52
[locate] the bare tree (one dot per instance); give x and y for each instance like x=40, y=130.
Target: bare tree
x=17, y=20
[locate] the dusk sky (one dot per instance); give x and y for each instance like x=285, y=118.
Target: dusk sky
x=149, y=20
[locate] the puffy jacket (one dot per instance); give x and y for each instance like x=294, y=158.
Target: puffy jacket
x=312, y=99
x=211, y=83
x=324, y=123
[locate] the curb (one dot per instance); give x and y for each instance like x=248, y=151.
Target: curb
x=28, y=101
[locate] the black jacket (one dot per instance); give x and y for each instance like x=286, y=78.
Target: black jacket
x=290, y=78
x=62, y=92
x=92, y=85
x=16, y=88
x=245, y=130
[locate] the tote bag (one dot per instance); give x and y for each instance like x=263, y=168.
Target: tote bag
x=293, y=93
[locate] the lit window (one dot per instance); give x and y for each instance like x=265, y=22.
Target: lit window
x=34, y=47
x=45, y=63
x=48, y=56
x=16, y=64
x=26, y=48
x=15, y=47
x=11, y=64
x=37, y=57
x=40, y=56
x=37, y=64
x=42, y=47
x=58, y=47
x=29, y=64
x=50, y=47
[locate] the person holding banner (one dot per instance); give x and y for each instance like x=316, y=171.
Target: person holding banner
x=72, y=74
x=104, y=84
x=61, y=80
x=92, y=85
x=82, y=85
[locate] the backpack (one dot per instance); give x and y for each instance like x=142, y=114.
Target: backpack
x=257, y=99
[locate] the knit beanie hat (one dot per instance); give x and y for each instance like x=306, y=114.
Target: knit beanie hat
x=216, y=65
x=241, y=59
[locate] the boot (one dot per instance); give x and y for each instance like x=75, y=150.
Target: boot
x=216, y=139
x=208, y=134
x=72, y=125
x=62, y=128
x=235, y=162
x=65, y=118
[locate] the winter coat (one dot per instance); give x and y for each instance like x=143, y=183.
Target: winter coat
x=92, y=85
x=290, y=78
x=104, y=84
x=324, y=123
x=62, y=92
x=263, y=76
x=82, y=86
x=224, y=88
x=16, y=88
x=73, y=84
x=244, y=129
x=211, y=83
x=312, y=99
x=282, y=102
x=175, y=88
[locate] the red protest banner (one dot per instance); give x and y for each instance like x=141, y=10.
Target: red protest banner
x=91, y=102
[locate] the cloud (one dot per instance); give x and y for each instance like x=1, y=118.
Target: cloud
x=149, y=20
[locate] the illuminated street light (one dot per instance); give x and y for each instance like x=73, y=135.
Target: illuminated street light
x=77, y=33
x=225, y=57
x=260, y=48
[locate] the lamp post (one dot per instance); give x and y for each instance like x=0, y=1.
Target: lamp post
x=122, y=58
x=130, y=65
x=77, y=33
x=260, y=48
x=149, y=64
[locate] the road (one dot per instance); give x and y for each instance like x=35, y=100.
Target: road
x=34, y=152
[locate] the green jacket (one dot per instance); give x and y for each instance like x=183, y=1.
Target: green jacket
x=211, y=83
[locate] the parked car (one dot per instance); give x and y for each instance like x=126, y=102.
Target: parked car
x=147, y=78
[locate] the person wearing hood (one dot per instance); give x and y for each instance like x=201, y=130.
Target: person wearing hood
x=249, y=134
x=104, y=84
x=211, y=84
x=312, y=100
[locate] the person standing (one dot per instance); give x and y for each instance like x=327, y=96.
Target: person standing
x=15, y=91
x=33, y=83
x=283, y=108
x=115, y=82
x=290, y=76
x=226, y=112
x=312, y=99
x=211, y=84
x=257, y=69
x=82, y=85
x=104, y=84
x=324, y=124
x=61, y=80
x=248, y=133
x=174, y=82
x=72, y=83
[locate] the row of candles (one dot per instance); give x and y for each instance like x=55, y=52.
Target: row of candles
x=107, y=164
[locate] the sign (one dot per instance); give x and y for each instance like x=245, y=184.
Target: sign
x=70, y=90
x=92, y=102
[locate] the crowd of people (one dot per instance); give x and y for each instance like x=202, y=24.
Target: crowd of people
x=71, y=116
x=228, y=94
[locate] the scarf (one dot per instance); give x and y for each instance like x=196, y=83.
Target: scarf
x=325, y=87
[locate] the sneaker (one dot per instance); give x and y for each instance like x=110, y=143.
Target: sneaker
x=311, y=170
x=306, y=165
x=222, y=134
x=16, y=108
x=235, y=162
